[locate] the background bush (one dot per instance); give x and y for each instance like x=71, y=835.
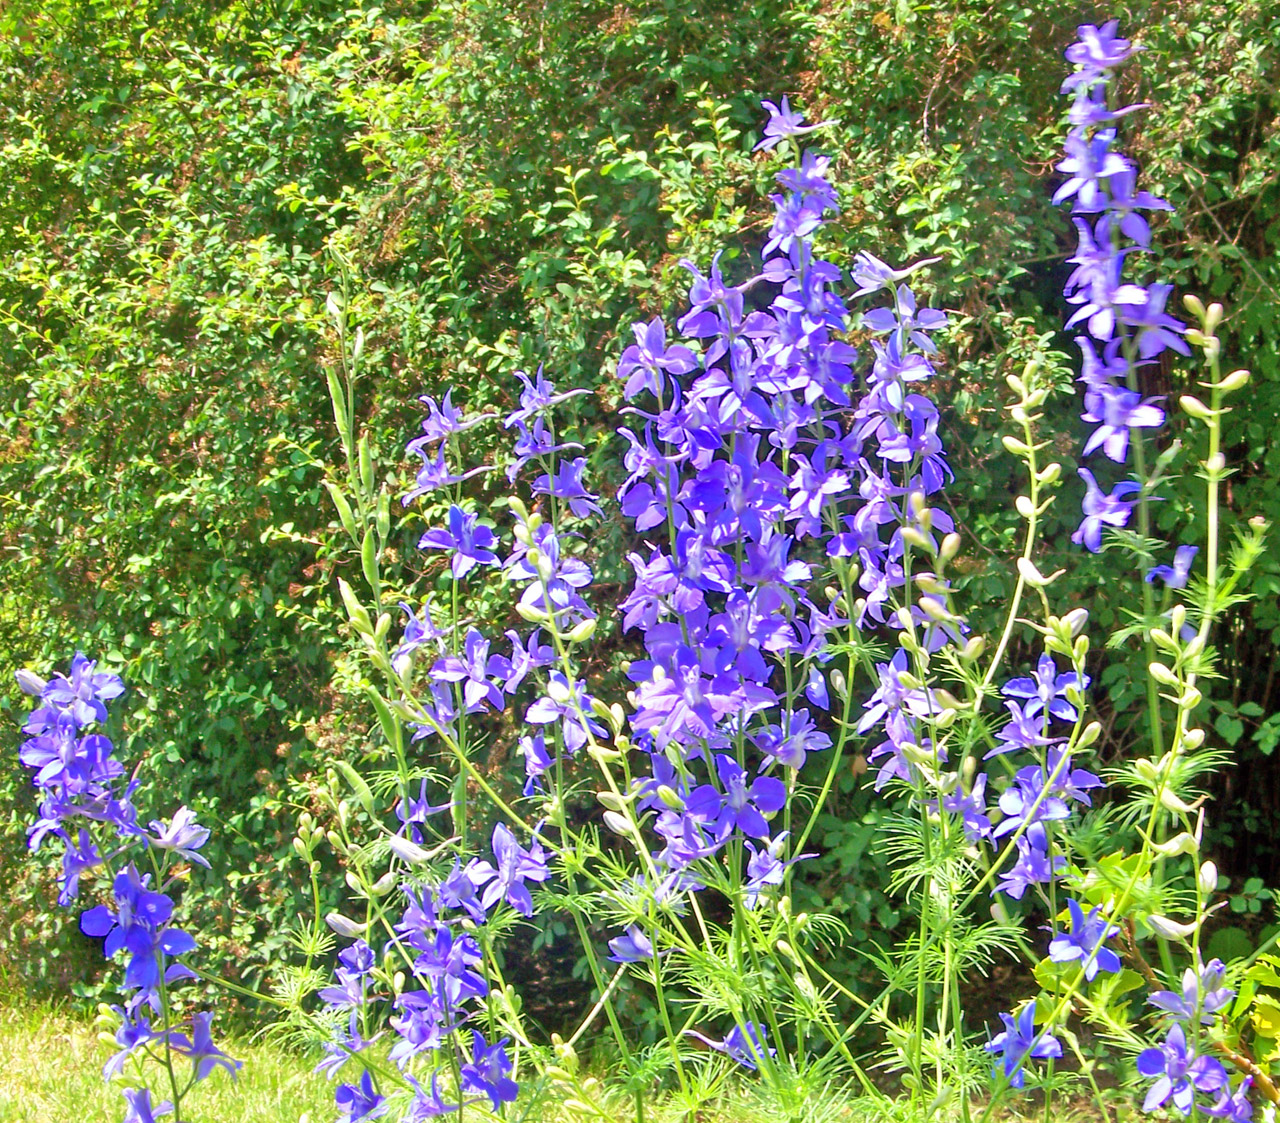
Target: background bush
x=512, y=185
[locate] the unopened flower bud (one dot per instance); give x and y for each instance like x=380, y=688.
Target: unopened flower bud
x=1075, y=620
x=1162, y=674
x=1193, y=738
x=973, y=649
x=910, y=535
x=405, y=848
x=1208, y=878
x=1180, y=843
x=617, y=823
x=1177, y=618
x=1194, y=407
x=384, y=884
x=1168, y=929
x=1089, y=734
x=950, y=546
x=29, y=682
x=1236, y=380
x=669, y=796
x=1049, y=473
x=1194, y=305
x=582, y=631
x=1015, y=446
x=344, y=925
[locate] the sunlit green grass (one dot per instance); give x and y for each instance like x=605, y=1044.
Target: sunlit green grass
x=51, y=1072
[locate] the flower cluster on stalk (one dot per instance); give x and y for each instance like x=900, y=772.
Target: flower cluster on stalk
x=1121, y=325
x=86, y=804
x=431, y=1012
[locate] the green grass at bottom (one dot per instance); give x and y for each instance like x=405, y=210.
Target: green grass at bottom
x=51, y=1072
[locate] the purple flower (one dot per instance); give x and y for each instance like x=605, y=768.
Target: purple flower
x=1116, y=410
x=783, y=123
x=489, y=1072
x=1046, y=690
x=1201, y=990
x=473, y=669
x=1234, y=1107
x=201, y=1050
x=740, y=806
x=645, y=363
x=1097, y=49
x=631, y=947
x=140, y=1109
x=139, y=926
x=424, y=1106
x=1177, y=575
x=538, y=395
x=1099, y=509
x=746, y=1045
x=515, y=865
x=1083, y=942
x=184, y=836
x=567, y=485
x=1179, y=1073
x=360, y=1101
x=765, y=868
x=470, y=541
x=84, y=692
x=1020, y=1041
x=569, y=705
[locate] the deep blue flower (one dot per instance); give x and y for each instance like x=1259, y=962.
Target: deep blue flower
x=1083, y=942
x=470, y=541
x=1100, y=510
x=360, y=1101
x=1179, y=1073
x=489, y=1071
x=1020, y=1041
x=514, y=865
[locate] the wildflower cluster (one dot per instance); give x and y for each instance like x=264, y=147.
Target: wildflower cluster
x=1125, y=325
x=433, y=941
x=84, y=801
